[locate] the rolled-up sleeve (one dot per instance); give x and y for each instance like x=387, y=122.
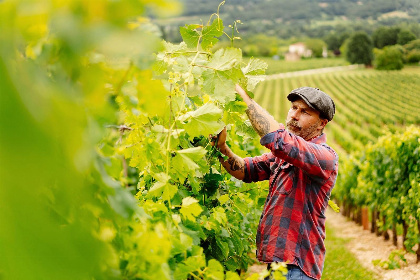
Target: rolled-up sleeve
x=258, y=168
x=314, y=159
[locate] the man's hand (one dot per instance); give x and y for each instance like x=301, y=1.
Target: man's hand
x=220, y=139
x=234, y=164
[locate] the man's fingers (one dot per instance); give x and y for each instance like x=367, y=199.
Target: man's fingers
x=212, y=137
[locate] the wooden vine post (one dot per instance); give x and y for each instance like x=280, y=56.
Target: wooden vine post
x=365, y=218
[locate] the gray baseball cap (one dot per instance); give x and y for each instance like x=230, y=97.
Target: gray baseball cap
x=316, y=99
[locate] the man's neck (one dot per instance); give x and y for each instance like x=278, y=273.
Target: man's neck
x=308, y=139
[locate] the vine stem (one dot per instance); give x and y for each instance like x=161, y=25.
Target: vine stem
x=233, y=34
x=195, y=276
x=204, y=66
x=168, y=147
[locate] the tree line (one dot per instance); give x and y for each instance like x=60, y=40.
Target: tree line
x=388, y=48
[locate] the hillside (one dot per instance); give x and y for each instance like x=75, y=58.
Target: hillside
x=285, y=19
x=303, y=9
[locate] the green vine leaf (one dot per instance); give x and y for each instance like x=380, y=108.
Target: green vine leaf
x=215, y=270
x=190, y=35
x=210, y=33
x=186, y=159
x=203, y=121
x=334, y=206
x=254, y=72
x=163, y=187
x=190, y=208
x=220, y=85
x=191, y=264
x=225, y=59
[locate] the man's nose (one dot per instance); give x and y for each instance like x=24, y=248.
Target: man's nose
x=295, y=115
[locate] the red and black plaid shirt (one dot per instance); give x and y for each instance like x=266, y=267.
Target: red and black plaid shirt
x=302, y=175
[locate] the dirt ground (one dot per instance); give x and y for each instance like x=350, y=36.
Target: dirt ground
x=367, y=247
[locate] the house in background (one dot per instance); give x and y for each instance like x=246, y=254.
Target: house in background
x=296, y=51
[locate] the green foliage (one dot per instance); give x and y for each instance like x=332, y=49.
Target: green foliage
x=291, y=19
x=405, y=36
x=282, y=66
x=412, y=51
x=344, y=47
x=385, y=36
x=207, y=35
x=387, y=177
x=60, y=220
x=413, y=45
x=78, y=101
x=260, y=45
x=335, y=41
x=359, y=49
x=389, y=58
x=395, y=260
x=316, y=46
x=334, y=206
x=181, y=184
x=413, y=56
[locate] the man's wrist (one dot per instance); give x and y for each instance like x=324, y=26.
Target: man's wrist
x=223, y=148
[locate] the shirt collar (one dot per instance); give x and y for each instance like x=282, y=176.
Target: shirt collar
x=321, y=139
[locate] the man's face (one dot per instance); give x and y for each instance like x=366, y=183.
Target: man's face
x=304, y=121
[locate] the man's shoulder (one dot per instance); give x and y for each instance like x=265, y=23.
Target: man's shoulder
x=330, y=150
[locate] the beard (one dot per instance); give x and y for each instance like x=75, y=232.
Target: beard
x=306, y=133
x=293, y=126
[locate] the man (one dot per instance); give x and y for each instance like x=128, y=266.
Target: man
x=301, y=169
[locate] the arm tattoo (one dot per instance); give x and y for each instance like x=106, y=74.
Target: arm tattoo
x=235, y=165
x=260, y=123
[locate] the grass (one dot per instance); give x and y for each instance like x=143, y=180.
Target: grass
x=340, y=263
x=282, y=66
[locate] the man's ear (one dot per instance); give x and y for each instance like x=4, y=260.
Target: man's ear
x=323, y=123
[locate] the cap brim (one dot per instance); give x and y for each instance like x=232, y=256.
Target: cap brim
x=293, y=96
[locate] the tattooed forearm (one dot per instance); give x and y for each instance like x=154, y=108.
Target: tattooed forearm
x=259, y=120
x=235, y=165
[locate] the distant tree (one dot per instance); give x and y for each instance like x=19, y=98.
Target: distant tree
x=413, y=45
x=389, y=58
x=405, y=36
x=343, y=48
x=316, y=46
x=385, y=36
x=412, y=51
x=413, y=56
x=333, y=41
x=344, y=36
x=359, y=49
x=259, y=45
